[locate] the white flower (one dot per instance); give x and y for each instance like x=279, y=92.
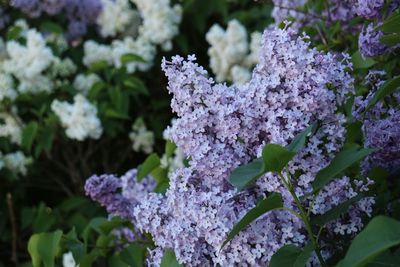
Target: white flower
x=94, y=52
x=142, y=139
x=114, y=17
x=230, y=56
x=10, y=126
x=7, y=87
x=28, y=62
x=80, y=118
x=83, y=83
x=68, y=260
x=239, y=74
x=140, y=47
x=63, y=68
x=16, y=162
x=160, y=21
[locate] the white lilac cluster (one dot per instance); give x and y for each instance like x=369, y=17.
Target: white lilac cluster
x=68, y=260
x=15, y=162
x=111, y=54
x=114, y=17
x=79, y=118
x=11, y=127
x=159, y=25
x=160, y=21
x=7, y=89
x=288, y=91
x=29, y=68
x=231, y=56
x=142, y=138
x=38, y=70
x=83, y=83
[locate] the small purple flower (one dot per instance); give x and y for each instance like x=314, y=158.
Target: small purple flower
x=105, y=190
x=369, y=42
x=383, y=135
x=30, y=7
x=368, y=9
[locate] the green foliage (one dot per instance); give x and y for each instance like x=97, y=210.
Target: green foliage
x=169, y=259
x=387, y=88
x=349, y=155
x=244, y=175
x=292, y=256
x=151, y=163
x=379, y=235
x=276, y=157
x=272, y=202
x=44, y=248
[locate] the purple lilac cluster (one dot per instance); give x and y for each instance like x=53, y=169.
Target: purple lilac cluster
x=383, y=135
x=222, y=127
x=34, y=8
x=80, y=13
x=380, y=125
x=369, y=9
x=369, y=42
x=119, y=195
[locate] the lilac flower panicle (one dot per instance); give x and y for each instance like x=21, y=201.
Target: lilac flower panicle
x=119, y=195
x=221, y=128
x=30, y=7
x=369, y=42
x=368, y=9
x=105, y=190
x=380, y=125
x=80, y=13
x=383, y=135
x=287, y=92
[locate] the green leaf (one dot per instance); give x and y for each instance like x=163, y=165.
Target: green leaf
x=151, y=162
x=44, y=247
x=343, y=160
x=244, y=175
x=386, y=259
x=113, y=114
x=73, y=244
x=44, y=219
x=390, y=39
x=387, y=88
x=304, y=256
x=169, y=148
x=169, y=259
x=49, y=26
x=285, y=256
x=13, y=33
x=29, y=134
x=276, y=157
x=133, y=255
x=336, y=212
x=132, y=58
x=300, y=140
x=379, y=235
x=98, y=66
x=135, y=85
x=272, y=202
x=361, y=63
x=391, y=24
